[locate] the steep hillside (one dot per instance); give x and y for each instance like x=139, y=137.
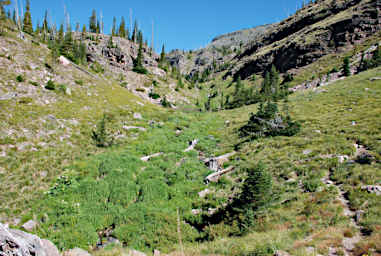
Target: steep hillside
x=314, y=31
x=221, y=50
x=112, y=159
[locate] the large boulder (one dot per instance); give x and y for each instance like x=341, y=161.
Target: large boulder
x=16, y=242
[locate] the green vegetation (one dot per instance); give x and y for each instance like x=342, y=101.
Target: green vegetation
x=50, y=85
x=347, y=67
x=138, y=63
x=20, y=79
x=269, y=122
x=101, y=135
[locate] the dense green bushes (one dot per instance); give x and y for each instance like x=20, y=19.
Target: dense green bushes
x=137, y=199
x=269, y=122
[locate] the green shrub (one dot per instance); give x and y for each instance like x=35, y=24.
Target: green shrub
x=268, y=122
x=79, y=82
x=347, y=67
x=62, y=87
x=154, y=96
x=97, y=68
x=20, y=79
x=101, y=135
x=34, y=83
x=140, y=70
x=50, y=85
x=165, y=103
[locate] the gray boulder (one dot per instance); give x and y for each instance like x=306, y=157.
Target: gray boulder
x=16, y=242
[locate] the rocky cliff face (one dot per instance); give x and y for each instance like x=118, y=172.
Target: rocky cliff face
x=311, y=33
x=119, y=57
x=221, y=50
x=316, y=30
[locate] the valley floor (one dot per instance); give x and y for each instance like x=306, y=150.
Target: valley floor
x=320, y=203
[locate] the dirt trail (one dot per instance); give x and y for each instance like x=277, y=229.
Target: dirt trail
x=348, y=242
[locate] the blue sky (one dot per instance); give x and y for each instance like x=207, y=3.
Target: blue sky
x=178, y=24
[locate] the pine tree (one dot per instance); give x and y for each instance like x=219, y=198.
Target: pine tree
x=84, y=31
x=14, y=17
x=347, y=67
x=113, y=31
x=28, y=26
x=93, y=22
x=162, y=55
x=122, y=28
x=68, y=45
x=61, y=33
x=135, y=32
x=138, y=65
x=98, y=27
x=45, y=24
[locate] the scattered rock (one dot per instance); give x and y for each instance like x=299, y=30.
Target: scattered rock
x=147, y=158
x=68, y=91
x=353, y=123
x=139, y=103
x=30, y=225
x=375, y=78
x=342, y=159
x=16, y=221
x=16, y=242
x=281, y=253
x=358, y=215
x=44, y=174
x=136, y=253
x=76, y=252
x=178, y=132
x=227, y=123
x=214, y=177
x=156, y=253
x=196, y=211
x=63, y=61
x=134, y=128
x=49, y=248
x=192, y=144
x=8, y=96
x=372, y=189
x=138, y=116
x=307, y=152
x=204, y=193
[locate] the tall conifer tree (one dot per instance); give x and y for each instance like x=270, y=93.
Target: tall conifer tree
x=93, y=22
x=28, y=26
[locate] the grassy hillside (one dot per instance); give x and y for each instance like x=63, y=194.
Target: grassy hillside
x=308, y=213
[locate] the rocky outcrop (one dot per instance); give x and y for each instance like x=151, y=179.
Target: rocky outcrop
x=220, y=51
x=315, y=31
x=16, y=242
x=118, y=57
